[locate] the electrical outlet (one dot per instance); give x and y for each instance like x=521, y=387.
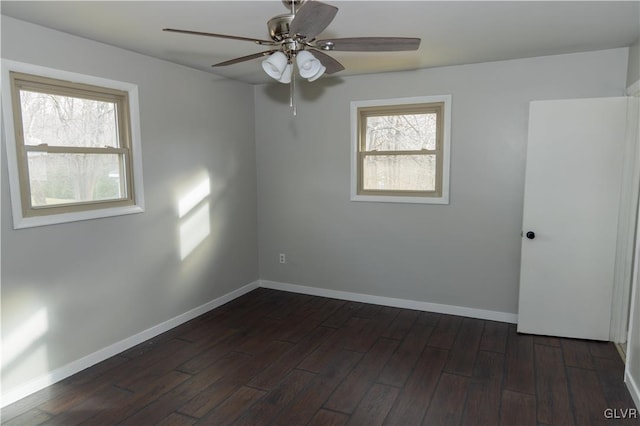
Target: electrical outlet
x=283, y=258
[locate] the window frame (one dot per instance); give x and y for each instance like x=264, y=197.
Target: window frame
x=397, y=106
x=48, y=80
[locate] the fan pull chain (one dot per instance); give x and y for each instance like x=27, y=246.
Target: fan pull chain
x=292, y=92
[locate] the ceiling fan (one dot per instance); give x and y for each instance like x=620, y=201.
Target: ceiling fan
x=293, y=36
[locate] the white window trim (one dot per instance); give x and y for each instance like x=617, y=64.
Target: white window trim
x=19, y=221
x=446, y=150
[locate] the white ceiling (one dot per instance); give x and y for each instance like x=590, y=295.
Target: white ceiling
x=452, y=32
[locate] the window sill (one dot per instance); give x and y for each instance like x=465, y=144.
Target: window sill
x=400, y=199
x=31, y=222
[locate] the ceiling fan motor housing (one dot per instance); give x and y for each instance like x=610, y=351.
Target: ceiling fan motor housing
x=279, y=26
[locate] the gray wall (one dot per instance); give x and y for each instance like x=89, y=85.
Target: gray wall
x=101, y=281
x=104, y=280
x=466, y=253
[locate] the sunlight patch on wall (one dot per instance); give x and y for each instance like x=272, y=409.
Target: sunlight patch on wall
x=194, y=197
x=194, y=229
x=193, y=212
x=25, y=336
x=24, y=351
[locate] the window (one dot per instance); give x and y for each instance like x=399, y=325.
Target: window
x=400, y=150
x=73, y=148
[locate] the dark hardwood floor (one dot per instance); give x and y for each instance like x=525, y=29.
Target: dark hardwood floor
x=277, y=358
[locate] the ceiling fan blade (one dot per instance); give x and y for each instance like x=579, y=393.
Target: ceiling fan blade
x=312, y=18
x=331, y=64
x=244, y=58
x=369, y=44
x=253, y=40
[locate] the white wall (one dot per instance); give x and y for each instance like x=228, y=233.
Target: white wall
x=86, y=285
x=464, y=254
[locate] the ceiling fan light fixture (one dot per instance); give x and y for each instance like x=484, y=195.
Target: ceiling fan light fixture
x=275, y=65
x=318, y=74
x=308, y=66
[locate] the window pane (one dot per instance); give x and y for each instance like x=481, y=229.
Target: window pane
x=72, y=178
x=403, y=132
x=399, y=172
x=67, y=121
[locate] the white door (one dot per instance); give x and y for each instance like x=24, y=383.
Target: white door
x=570, y=219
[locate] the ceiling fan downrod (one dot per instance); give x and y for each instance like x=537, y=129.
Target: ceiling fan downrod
x=292, y=5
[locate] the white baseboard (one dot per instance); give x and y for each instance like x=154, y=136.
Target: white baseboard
x=74, y=367
x=397, y=303
x=118, y=347
x=633, y=387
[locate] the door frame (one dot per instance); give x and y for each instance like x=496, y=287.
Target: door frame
x=627, y=219
x=633, y=313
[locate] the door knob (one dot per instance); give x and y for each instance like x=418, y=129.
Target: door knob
x=531, y=235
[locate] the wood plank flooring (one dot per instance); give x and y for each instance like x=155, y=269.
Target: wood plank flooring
x=277, y=358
